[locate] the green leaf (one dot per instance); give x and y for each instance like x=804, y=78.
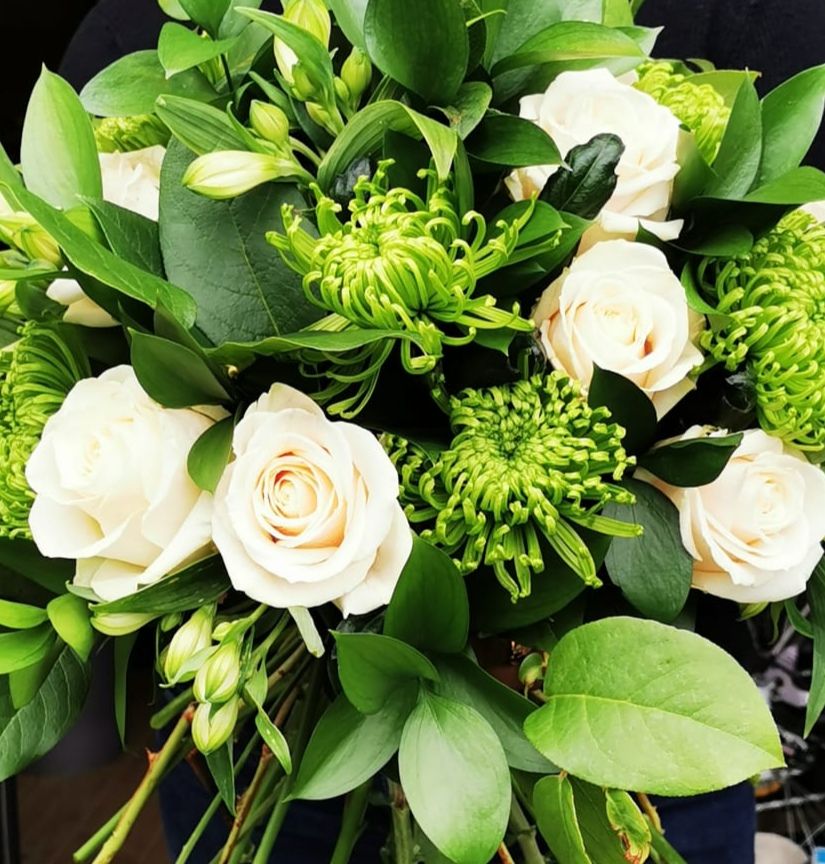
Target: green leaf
x=222, y=770
x=195, y=586
x=505, y=710
x=21, y=616
x=371, y=667
x=798, y=186
x=173, y=9
x=31, y=732
x=667, y=854
x=24, y=648
x=617, y=13
x=816, y=697
x=132, y=84
x=180, y=48
x=624, y=818
x=455, y=776
x=70, y=617
x=210, y=454
x=737, y=163
x=654, y=571
x=198, y=126
x=207, y=13
x=514, y=142
x=58, y=152
x=25, y=683
x=21, y=558
x=364, y=134
x=791, y=116
x=555, y=809
x=429, y=608
x=123, y=646
x=348, y=747
x=132, y=237
x=349, y=16
x=192, y=383
x=700, y=721
x=274, y=739
x=797, y=620
x=589, y=178
x=570, y=40
x=95, y=260
x=468, y=108
x=422, y=45
x=629, y=407
x=695, y=462
x=217, y=250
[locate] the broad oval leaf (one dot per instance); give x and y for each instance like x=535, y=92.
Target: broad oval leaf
x=629, y=407
x=737, y=162
x=698, y=720
x=694, y=462
x=422, y=45
x=210, y=454
x=70, y=617
x=24, y=648
x=555, y=809
x=503, y=139
x=180, y=48
x=455, y=776
x=208, y=13
x=21, y=616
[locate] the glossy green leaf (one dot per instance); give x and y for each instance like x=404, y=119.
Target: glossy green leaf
x=97, y=261
x=70, y=617
x=816, y=597
x=791, y=116
x=58, y=154
x=123, y=646
x=198, y=126
x=455, y=776
x=192, y=383
x=23, y=648
x=695, y=462
x=513, y=142
x=463, y=680
x=207, y=13
x=21, y=559
x=422, y=45
x=222, y=770
x=180, y=48
x=468, y=108
x=570, y=40
x=617, y=13
x=210, y=454
x=700, y=721
x=654, y=571
x=349, y=16
x=555, y=809
x=429, y=608
x=348, y=747
x=274, y=739
x=132, y=84
x=628, y=405
x=32, y=731
x=797, y=186
x=737, y=163
x=132, y=237
x=217, y=251
x=173, y=9
x=372, y=667
x=364, y=134
x=25, y=683
x=21, y=616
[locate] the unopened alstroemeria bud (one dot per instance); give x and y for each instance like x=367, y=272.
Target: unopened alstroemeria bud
x=356, y=73
x=217, y=680
x=318, y=114
x=312, y=16
x=303, y=84
x=22, y=231
x=212, y=726
x=270, y=122
x=121, y=623
x=194, y=637
x=229, y=173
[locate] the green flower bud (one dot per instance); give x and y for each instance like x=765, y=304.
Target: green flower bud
x=531, y=670
x=230, y=173
x=22, y=231
x=303, y=85
x=125, y=134
x=218, y=679
x=356, y=73
x=213, y=725
x=270, y=122
x=194, y=637
x=312, y=16
x=121, y=623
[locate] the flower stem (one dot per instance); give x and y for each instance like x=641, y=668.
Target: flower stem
x=504, y=854
x=158, y=763
x=352, y=823
x=287, y=666
x=97, y=840
x=246, y=804
x=525, y=834
x=402, y=835
x=166, y=714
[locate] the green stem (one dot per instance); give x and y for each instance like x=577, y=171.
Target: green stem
x=229, y=82
x=287, y=666
x=352, y=823
x=402, y=834
x=246, y=804
x=165, y=715
x=525, y=834
x=96, y=841
x=158, y=763
x=299, y=147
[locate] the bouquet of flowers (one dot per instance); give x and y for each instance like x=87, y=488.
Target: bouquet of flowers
x=401, y=366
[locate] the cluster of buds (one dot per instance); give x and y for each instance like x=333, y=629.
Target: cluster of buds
x=126, y=134
x=20, y=231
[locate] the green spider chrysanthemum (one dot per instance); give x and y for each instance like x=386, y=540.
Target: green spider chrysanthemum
x=125, y=134
x=699, y=106
x=772, y=318
x=528, y=461
x=400, y=264
x=36, y=373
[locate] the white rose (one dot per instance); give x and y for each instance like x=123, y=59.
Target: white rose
x=619, y=306
x=815, y=209
x=755, y=532
x=112, y=488
x=130, y=180
x=575, y=108
x=308, y=512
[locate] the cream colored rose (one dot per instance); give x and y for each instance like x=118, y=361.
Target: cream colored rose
x=112, y=488
x=619, y=306
x=755, y=532
x=308, y=512
x=575, y=108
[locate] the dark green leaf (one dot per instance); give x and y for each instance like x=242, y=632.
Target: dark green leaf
x=25, y=683
x=429, y=608
x=58, y=152
x=123, y=646
x=31, y=732
x=274, y=739
x=422, y=45
x=468, y=108
x=798, y=186
x=654, y=571
x=737, y=163
x=24, y=648
x=210, y=454
x=455, y=776
x=198, y=126
x=349, y=16
x=223, y=773
x=629, y=407
x=207, y=13
x=797, y=620
x=589, y=179
x=70, y=618
x=695, y=462
x=372, y=667
x=514, y=142
x=615, y=680
x=132, y=237
x=180, y=48
x=133, y=83
x=816, y=597
x=21, y=558
x=718, y=241
x=217, y=250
